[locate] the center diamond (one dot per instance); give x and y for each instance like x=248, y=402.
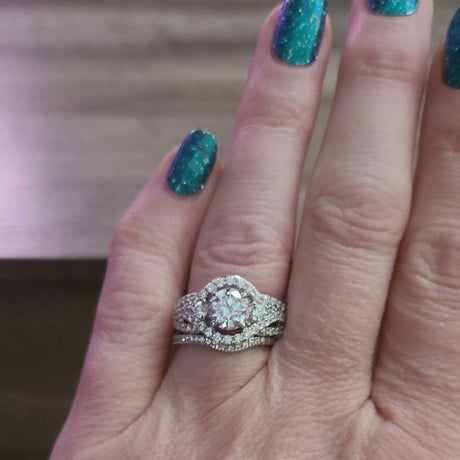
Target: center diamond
x=229, y=309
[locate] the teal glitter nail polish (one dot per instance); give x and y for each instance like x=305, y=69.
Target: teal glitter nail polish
x=299, y=31
x=393, y=7
x=452, y=54
x=193, y=163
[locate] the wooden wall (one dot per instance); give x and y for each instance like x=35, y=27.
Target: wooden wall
x=93, y=94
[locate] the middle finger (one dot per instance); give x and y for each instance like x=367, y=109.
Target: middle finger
x=359, y=198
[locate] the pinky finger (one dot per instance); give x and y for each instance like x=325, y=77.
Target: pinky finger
x=147, y=272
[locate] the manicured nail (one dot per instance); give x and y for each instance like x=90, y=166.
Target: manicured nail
x=393, y=7
x=452, y=54
x=193, y=163
x=299, y=31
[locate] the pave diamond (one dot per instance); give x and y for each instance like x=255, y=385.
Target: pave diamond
x=230, y=310
x=196, y=309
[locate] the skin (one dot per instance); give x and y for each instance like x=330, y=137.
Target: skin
x=377, y=259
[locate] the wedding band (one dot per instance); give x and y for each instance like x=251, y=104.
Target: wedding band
x=229, y=314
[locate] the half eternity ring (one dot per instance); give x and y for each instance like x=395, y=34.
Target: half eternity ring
x=229, y=314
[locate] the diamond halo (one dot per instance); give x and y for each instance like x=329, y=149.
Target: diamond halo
x=229, y=314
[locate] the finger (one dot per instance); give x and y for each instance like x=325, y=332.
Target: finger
x=358, y=202
x=249, y=230
x=147, y=271
x=418, y=373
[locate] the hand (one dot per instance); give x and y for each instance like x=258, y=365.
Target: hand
x=377, y=259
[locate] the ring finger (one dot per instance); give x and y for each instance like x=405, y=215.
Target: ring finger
x=249, y=230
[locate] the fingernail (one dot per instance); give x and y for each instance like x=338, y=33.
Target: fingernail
x=193, y=163
x=452, y=54
x=299, y=31
x=393, y=7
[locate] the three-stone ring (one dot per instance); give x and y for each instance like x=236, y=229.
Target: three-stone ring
x=229, y=314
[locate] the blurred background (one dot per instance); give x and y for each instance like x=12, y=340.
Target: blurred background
x=92, y=94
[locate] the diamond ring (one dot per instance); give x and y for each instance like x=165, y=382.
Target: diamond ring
x=229, y=314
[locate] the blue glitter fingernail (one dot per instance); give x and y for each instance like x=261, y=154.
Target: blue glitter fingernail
x=393, y=7
x=299, y=31
x=193, y=163
x=452, y=54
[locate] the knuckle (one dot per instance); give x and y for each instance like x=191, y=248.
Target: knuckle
x=431, y=264
x=394, y=63
x=130, y=232
x=130, y=302
x=250, y=246
x=268, y=104
x=135, y=233
x=358, y=215
x=137, y=256
x=123, y=308
x=131, y=306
